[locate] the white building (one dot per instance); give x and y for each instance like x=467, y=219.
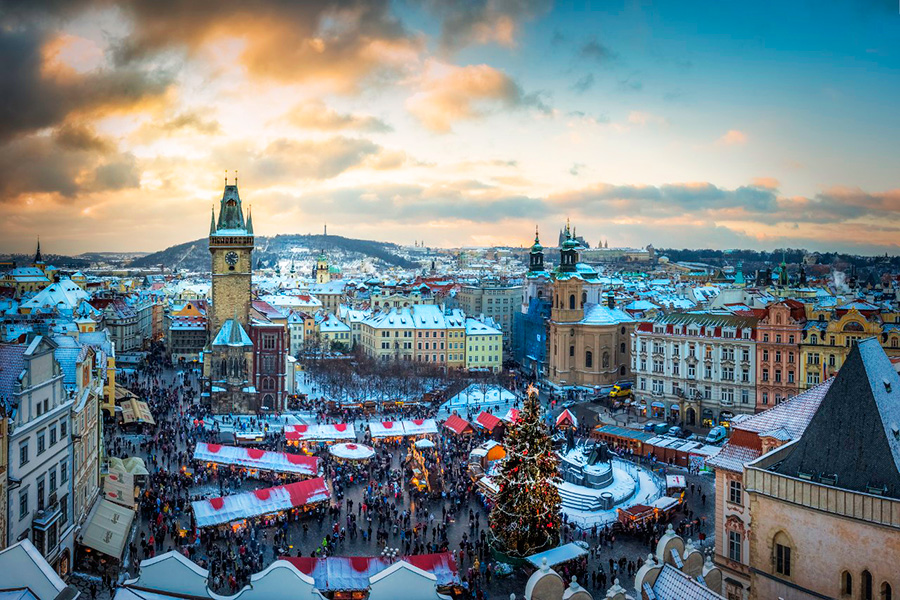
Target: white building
x=696, y=368
x=40, y=450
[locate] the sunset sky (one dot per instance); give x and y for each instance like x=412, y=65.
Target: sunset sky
x=687, y=124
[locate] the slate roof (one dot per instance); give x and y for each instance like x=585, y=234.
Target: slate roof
x=601, y=314
x=232, y=334
x=855, y=434
x=672, y=584
x=12, y=363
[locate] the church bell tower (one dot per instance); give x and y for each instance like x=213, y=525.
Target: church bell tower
x=231, y=246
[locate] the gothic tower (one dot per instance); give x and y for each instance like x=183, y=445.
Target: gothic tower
x=231, y=246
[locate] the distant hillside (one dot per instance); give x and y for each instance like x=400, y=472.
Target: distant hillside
x=194, y=256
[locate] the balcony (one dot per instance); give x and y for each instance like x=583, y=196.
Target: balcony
x=45, y=530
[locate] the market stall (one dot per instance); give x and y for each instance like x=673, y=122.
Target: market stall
x=386, y=430
x=256, y=460
x=238, y=507
x=458, y=425
x=351, y=451
x=566, y=419
x=490, y=423
x=557, y=556
x=511, y=416
x=304, y=436
x=136, y=413
x=419, y=427
x=105, y=533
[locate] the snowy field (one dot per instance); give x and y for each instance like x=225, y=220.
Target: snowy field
x=477, y=398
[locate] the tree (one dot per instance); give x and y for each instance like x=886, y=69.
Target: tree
x=526, y=516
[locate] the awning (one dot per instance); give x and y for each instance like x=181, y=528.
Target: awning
x=118, y=486
x=107, y=528
x=657, y=405
x=383, y=429
x=457, y=424
x=675, y=481
x=557, y=555
x=216, y=511
x=487, y=420
x=352, y=451
x=420, y=426
x=135, y=411
x=252, y=458
x=326, y=432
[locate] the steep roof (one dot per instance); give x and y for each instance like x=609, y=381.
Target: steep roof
x=855, y=434
x=12, y=363
x=232, y=334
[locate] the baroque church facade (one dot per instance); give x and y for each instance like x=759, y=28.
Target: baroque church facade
x=243, y=363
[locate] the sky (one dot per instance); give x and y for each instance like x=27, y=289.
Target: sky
x=678, y=124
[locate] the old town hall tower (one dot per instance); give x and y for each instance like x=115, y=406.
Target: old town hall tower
x=228, y=360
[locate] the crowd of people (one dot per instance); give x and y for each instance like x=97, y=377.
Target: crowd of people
x=373, y=505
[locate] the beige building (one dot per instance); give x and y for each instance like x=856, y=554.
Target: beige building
x=826, y=508
x=499, y=302
x=589, y=340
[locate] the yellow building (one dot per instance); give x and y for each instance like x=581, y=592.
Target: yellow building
x=388, y=335
x=332, y=332
x=484, y=346
x=829, y=334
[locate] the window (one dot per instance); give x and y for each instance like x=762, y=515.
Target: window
x=692, y=371
x=41, y=485
x=572, y=301
x=571, y=350
x=62, y=430
x=268, y=342
x=745, y=396
x=765, y=397
x=63, y=510
x=52, y=480
x=886, y=592
x=23, y=504
x=734, y=546
x=765, y=337
x=588, y=359
x=63, y=472
x=782, y=555
x=52, y=435
x=765, y=374
x=734, y=492
x=866, y=585
x=846, y=583
x=765, y=355
x=23, y=454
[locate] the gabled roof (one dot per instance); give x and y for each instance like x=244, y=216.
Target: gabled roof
x=232, y=334
x=855, y=434
x=23, y=566
x=12, y=363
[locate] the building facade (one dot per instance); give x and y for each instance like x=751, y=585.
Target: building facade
x=588, y=335
x=696, y=368
x=40, y=483
x=498, y=302
x=778, y=356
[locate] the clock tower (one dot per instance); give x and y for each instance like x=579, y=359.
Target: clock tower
x=231, y=246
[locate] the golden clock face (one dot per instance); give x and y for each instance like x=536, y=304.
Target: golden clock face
x=231, y=258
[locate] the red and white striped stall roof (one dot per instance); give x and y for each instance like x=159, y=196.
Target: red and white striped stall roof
x=323, y=432
x=419, y=426
x=216, y=511
x=253, y=458
x=383, y=429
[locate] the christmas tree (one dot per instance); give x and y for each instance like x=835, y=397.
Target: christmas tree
x=525, y=518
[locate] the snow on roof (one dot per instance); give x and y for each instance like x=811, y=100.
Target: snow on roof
x=320, y=432
x=259, y=502
x=23, y=567
x=65, y=293
x=476, y=327
x=601, y=314
x=557, y=555
x=280, y=462
x=232, y=334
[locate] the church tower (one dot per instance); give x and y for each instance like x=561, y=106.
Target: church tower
x=231, y=246
x=323, y=273
x=569, y=295
x=536, y=256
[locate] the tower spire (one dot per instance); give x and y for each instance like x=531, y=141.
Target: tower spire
x=249, y=219
x=37, y=255
x=536, y=238
x=212, y=218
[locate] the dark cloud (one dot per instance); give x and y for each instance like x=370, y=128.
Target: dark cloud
x=34, y=97
x=192, y=120
x=594, y=50
x=71, y=162
x=336, y=42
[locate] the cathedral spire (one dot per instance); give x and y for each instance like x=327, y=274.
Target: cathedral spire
x=249, y=220
x=212, y=220
x=37, y=255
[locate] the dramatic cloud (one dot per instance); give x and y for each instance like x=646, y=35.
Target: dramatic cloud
x=484, y=21
x=314, y=114
x=325, y=42
x=288, y=161
x=456, y=93
x=39, y=91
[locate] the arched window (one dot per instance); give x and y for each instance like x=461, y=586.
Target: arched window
x=886, y=592
x=622, y=347
x=588, y=359
x=813, y=339
x=622, y=370
x=606, y=360
x=782, y=549
x=854, y=326
x=583, y=298
x=571, y=350
x=866, y=585
x=846, y=583
x=540, y=293
x=572, y=301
